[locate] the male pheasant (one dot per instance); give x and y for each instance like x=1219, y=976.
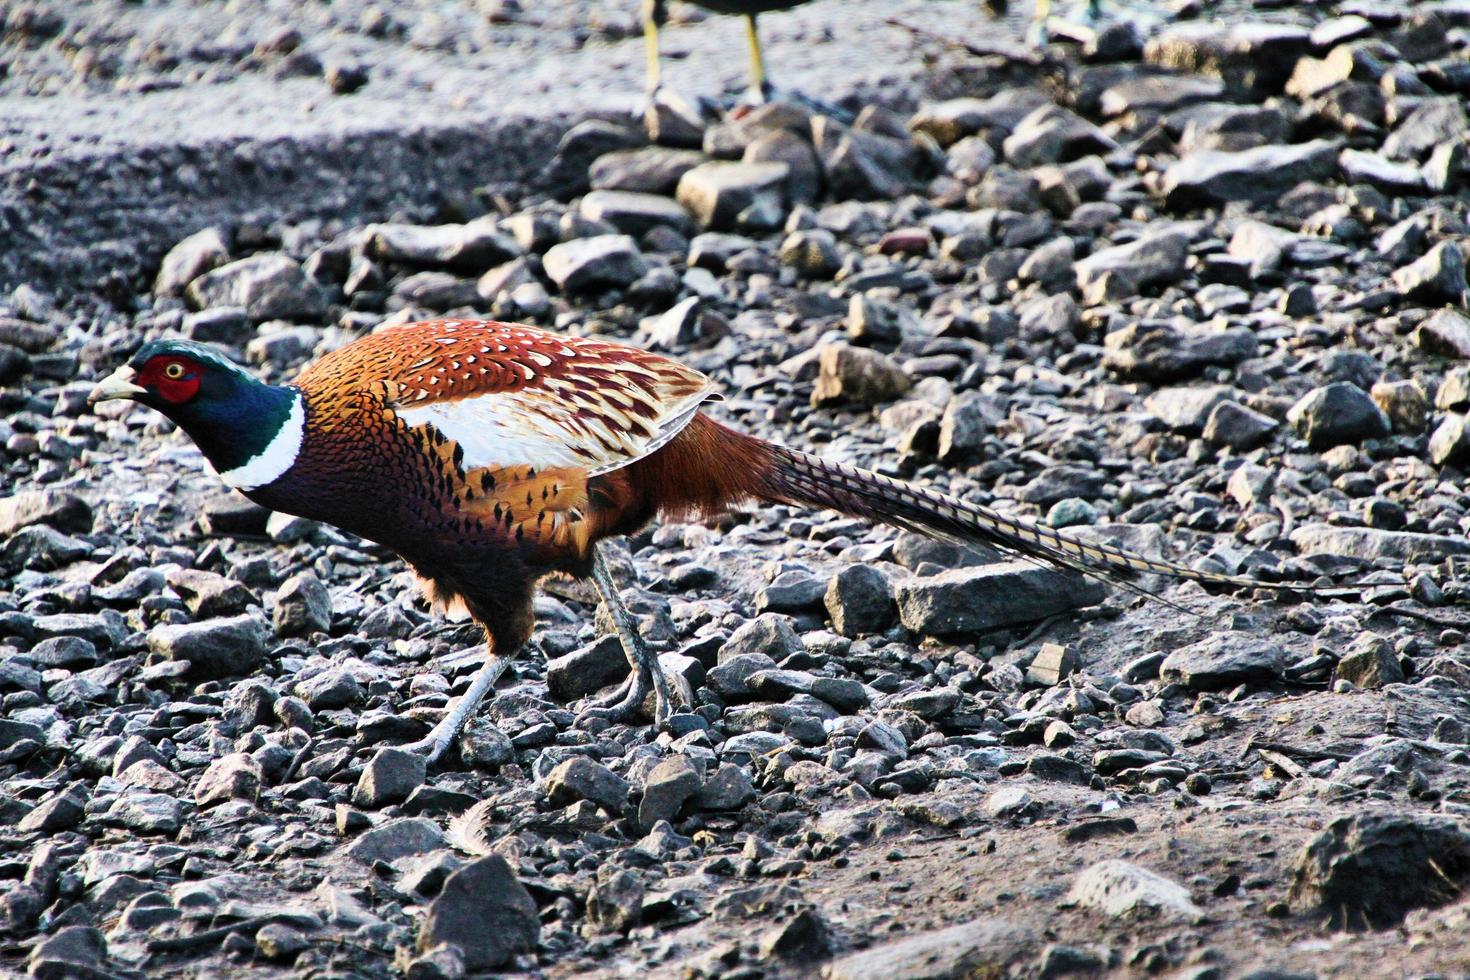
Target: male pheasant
x=490, y=455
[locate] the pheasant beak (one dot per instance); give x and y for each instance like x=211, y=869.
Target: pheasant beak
x=118, y=384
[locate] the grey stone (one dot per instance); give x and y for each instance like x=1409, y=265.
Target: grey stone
x=728, y=787
x=266, y=286
x=389, y=777
x=581, y=778
x=1433, y=122
x=730, y=679
x=148, y=813
x=41, y=548
x=1234, y=425
x=1362, y=167
x=1119, y=888
x=1053, y=664
x=485, y=912
x=303, y=606
x=953, y=119
x=812, y=253
x=1374, y=543
x=1338, y=414
x=1186, y=408
x=586, y=670
x=1369, y=663
x=1161, y=352
x=1052, y=134
x=1253, y=58
x=1261, y=174
x=982, y=947
x=61, y=812
x=189, y=259
x=1223, y=661
x=334, y=687
x=602, y=261
x=647, y=169
x=1446, y=332
x=973, y=600
x=634, y=212
x=668, y=786
x=1450, y=443
x=860, y=600
x=209, y=596
x=857, y=376
x=719, y=192
x=57, y=509
x=615, y=902
x=1438, y=276
x=767, y=634
x=213, y=648
x=235, y=776
x=470, y=247
x=397, y=839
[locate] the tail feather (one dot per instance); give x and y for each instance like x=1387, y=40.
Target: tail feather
x=799, y=478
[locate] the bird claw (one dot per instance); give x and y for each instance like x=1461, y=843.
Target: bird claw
x=626, y=701
x=431, y=747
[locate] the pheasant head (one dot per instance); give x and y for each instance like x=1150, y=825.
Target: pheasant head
x=250, y=431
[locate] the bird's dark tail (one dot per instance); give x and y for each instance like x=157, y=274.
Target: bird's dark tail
x=799, y=478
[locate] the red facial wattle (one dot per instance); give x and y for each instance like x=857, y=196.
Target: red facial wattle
x=176, y=379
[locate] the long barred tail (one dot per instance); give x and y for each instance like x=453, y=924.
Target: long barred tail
x=799, y=478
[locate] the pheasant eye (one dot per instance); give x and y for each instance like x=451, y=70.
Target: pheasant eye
x=174, y=371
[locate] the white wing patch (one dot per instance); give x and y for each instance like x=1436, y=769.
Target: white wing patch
x=556, y=426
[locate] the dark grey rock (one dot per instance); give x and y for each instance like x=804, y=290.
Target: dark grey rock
x=1234, y=425
x=486, y=912
x=389, y=777
x=1369, y=663
x=972, y=600
x=615, y=903
x=209, y=596
x=730, y=679
x=647, y=169
x=634, y=212
x=1160, y=352
x=1261, y=174
x=857, y=376
x=303, y=606
x=599, y=262
x=1439, y=276
x=586, y=670
x=41, y=548
x=1338, y=414
x=266, y=286
x=581, y=778
x=1374, y=543
x=471, y=247
x=669, y=785
x=214, y=648
x=61, y=812
x=235, y=776
x=1446, y=332
x=57, y=509
x=718, y=193
x=1224, y=661
x=334, y=687
x=1449, y=445
x=976, y=948
x=860, y=600
x=1369, y=870
x=1253, y=58
x=189, y=259
x=1052, y=134
x=768, y=634
x=397, y=839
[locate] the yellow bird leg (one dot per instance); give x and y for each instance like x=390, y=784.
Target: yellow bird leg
x=757, y=59
x=650, y=53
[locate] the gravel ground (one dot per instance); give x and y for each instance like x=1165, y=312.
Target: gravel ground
x=1196, y=287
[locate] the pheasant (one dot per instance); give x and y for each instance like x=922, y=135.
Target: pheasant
x=491, y=455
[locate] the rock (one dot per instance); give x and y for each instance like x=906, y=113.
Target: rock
x=973, y=600
x=231, y=777
x=1186, y=408
x=1238, y=427
x=303, y=606
x=148, y=813
x=581, y=778
x=857, y=376
x=333, y=688
x=648, y=169
x=41, y=548
x=983, y=947
x=1372, y=544
x=726, y=788
x=1118, y=888
x=1263, y=246
x=1254, y=59
x=266, y=286
x=586, y=670
x=1160, y=352
x=215, y=647
x=587, y=141
x=599, y=262
x=718, y=193
x=804, y=177
x=1261, y=174
x=397, y=839
x=189, y=259
x=688, y=323
x=61, y=812
x=72, y=951
x=669, y=785
x=1446, y=332
x=57, y=509
x=859, y=598
x=1338, y=414
x=208, y=595
x=1369, y=664
x=1368, y=871
x=768, y=634
x=1361, y=167
x=812, y=253
x=615, y=903
x=486, y=912
x=1053, y=664
x=389, y=777
x=1439, y=276
x=1450, y=443
x=803, y=938
x=1052, y=134
x=1122, y=270
x=730, y=679
x=278, y=941
x=471, y=247
x=1405, y=404
x=950, y=121
x=860, y=164
x=633, y=212
x=1223, y=661
x=1433, y=122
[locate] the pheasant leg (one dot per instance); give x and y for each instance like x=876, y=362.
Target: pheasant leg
x=627, y=699
x=448, y=729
